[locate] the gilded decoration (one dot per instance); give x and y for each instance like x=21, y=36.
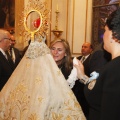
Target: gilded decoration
x=36, y=5
x=35, y=50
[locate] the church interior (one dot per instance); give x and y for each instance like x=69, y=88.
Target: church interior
x=56, y=58
x=76, y=21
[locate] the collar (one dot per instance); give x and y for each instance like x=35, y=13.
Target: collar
x=3, y=52
x=86, y=56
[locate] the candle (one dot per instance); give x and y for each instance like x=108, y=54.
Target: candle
x=57, y=7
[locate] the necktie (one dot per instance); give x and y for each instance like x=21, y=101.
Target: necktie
x=10, y=60
x=83, y=59
x=10, y=52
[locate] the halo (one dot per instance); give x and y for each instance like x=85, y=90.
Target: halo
x=44, y=13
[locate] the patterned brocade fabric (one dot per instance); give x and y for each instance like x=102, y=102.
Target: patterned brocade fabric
x=35, y=50
x=37, y=90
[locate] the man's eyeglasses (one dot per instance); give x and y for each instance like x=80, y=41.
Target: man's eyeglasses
x=8, y=39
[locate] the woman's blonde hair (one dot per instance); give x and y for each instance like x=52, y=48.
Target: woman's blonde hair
x=67, y=60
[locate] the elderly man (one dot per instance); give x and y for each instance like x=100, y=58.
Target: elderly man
x=6, y=65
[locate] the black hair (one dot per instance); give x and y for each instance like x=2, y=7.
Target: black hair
x=113, y=23
x=91, y=46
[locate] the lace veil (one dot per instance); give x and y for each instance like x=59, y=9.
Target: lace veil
x=37, y=90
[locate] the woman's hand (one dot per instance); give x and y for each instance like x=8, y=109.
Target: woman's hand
x=80, y=72
x=80, y=69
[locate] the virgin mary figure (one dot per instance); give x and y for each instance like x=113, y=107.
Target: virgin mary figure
x=37, y=90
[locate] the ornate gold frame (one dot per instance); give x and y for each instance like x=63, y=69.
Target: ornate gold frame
x=26, y=27
x=41, y=9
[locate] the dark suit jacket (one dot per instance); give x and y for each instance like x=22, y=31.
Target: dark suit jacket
x=78, y=89
x=17, y=55
x=86, y=64
x=98, y=58
x=104, y=98
x=6, y=70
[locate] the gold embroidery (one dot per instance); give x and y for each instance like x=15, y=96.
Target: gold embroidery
x=76, y=104
x=69, y=110
x=28, y=65
x=38, y=80
x=68, y=118
x=59, y=72
x=17, y=100
x=40, y=99
x=56, y=116
x=33, y=117
x=35, y=50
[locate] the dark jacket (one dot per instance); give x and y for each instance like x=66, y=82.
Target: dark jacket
x=17, y=56
x=86, y=64
x=64, y=71
x=104, y=97
x=6, y=70
x=98, y=58
x=78, y=89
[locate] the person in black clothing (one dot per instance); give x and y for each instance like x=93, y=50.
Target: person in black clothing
x=60, y=51
x=25, y=49
x=98, y=58
x=103, y=92
x=13, y=52
x=6, y=66
x=86, y=52
x=95, y=61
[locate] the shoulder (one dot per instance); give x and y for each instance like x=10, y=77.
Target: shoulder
x=97, y=54
x=1, y=55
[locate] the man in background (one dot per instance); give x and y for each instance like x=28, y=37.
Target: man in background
x=13, y=52
x=6, y=66
x=86, y=51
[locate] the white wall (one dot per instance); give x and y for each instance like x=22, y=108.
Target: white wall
x=74, y=19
